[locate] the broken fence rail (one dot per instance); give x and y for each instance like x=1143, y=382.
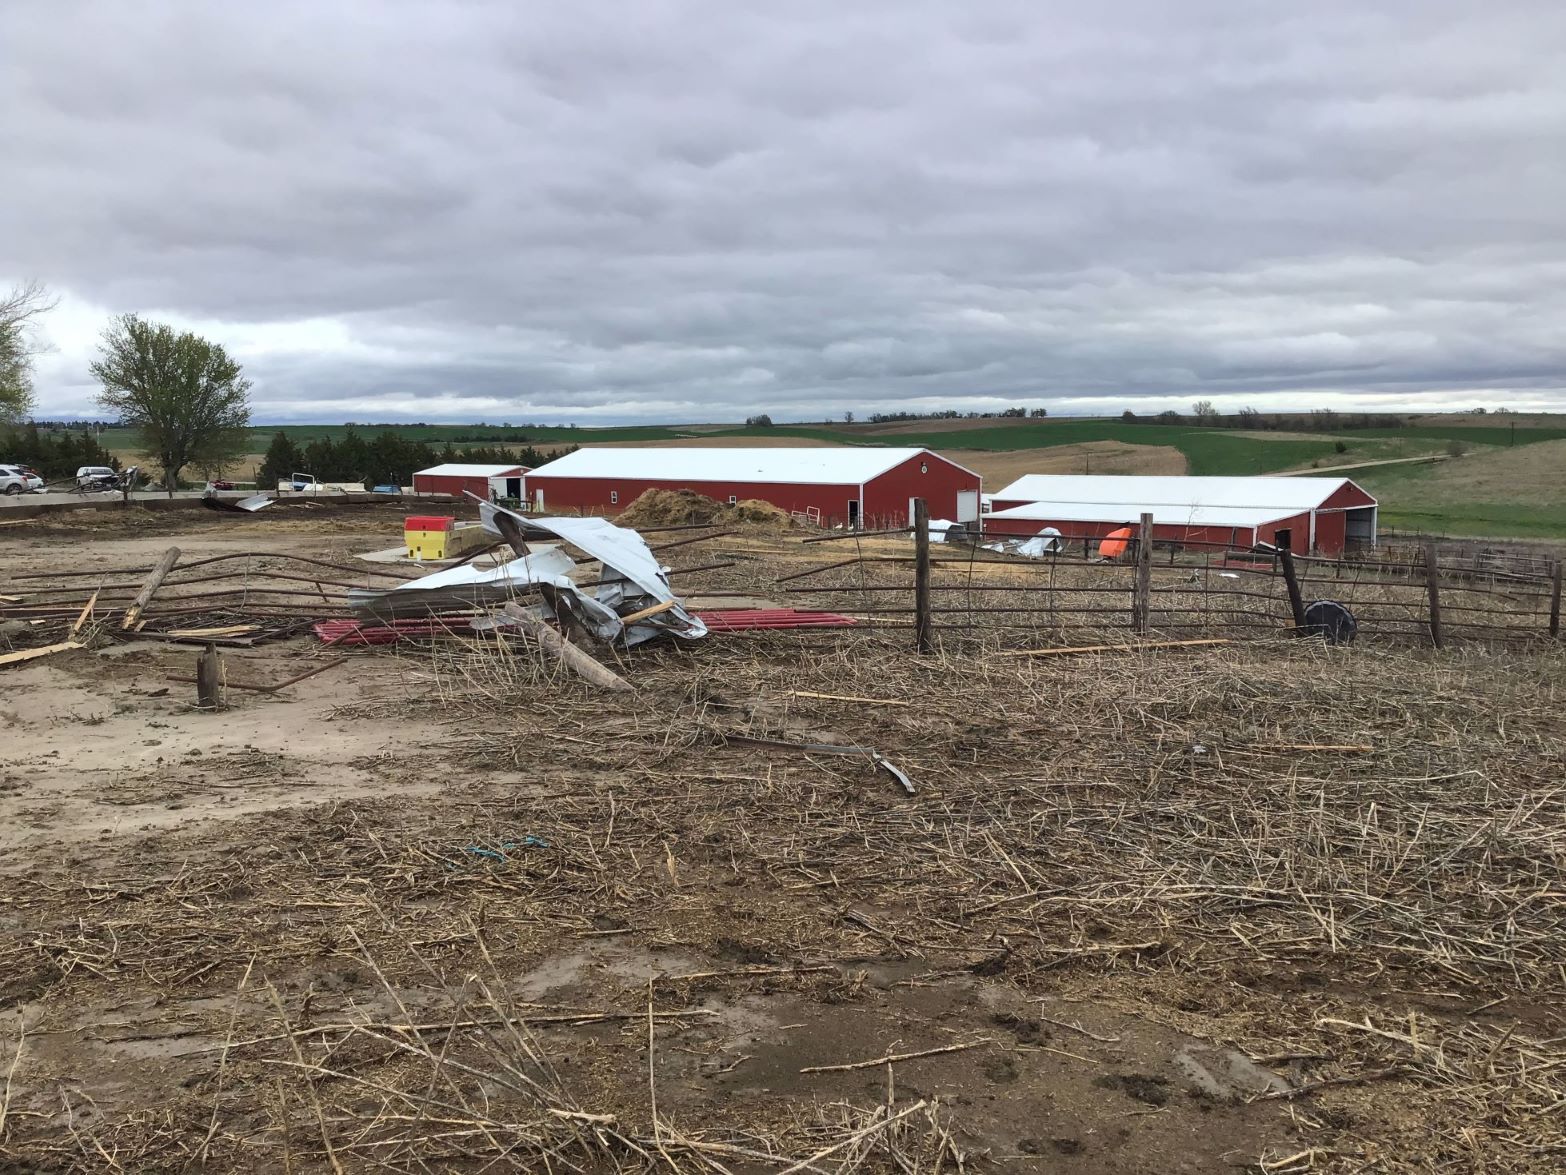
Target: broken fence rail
x=349, y=633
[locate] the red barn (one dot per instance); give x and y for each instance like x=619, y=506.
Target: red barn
x=1319, y=514
x=839, y=485
x=486, y=481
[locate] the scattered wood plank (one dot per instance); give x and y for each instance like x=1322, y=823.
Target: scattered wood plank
x=893, y=1058
x=556, y=646
x=804, y=693
x=266, y=689
x=153, y=582
x=633, y=617
x=1114, y=648
x=86, y=611
x=21, y=655
x=226, y=630
x=1271, y=748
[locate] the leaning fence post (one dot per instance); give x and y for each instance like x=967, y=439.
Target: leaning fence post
x=1296, y=602
x=1433, y=585
x=1555, y=599
x=921, y=521
x=208, y=679
x=1141, y=603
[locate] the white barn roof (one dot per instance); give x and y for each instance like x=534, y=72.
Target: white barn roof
x=1241, y=517
x=458, y=469
x=1116, y=495
x=805, y=465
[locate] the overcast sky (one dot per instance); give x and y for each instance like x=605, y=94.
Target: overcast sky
x=681, y=211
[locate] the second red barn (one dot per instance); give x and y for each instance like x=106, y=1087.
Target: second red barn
x=835, y=486
x=1303, y=513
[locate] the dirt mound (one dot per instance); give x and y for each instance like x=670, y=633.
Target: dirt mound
x=755, y=512
x=670, y=508
x=688, y=508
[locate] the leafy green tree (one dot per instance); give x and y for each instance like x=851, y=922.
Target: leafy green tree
x=19, y=311
x=185, y=394
x=283, y=459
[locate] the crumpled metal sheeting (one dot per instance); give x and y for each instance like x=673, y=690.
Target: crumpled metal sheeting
x=632, y=580
x=632, y=577
x=465, y=586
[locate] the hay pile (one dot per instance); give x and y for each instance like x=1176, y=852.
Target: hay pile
x=688, y=508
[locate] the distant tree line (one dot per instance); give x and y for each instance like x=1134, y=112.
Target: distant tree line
x=475, y=432
x=1204, y=415
x=56, y=455
x=953, y=414
x=386, y=459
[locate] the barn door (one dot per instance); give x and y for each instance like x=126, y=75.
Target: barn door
x=967, y=506
x=853, y=513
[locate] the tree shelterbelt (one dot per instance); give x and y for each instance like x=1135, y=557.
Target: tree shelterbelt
x=187, y=397
x=19, y=311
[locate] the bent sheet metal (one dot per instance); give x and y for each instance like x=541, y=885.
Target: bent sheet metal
x=633, y=582
x=633, y=579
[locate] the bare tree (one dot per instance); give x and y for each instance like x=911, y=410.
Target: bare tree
x=19, y=344
x=1205, y=412
x=184, y=393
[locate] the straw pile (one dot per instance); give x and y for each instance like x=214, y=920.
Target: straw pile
x=1346, y=863
x=659, y=508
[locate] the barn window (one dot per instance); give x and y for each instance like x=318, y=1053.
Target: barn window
x=733, y=499
x=924, y=467
x=614, y=497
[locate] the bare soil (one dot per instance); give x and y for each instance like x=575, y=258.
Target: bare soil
x=434, y=908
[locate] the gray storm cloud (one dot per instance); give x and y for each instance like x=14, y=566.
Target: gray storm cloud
x=682, y=211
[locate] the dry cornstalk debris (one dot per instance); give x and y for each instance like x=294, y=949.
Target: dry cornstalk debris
x=1083, y=825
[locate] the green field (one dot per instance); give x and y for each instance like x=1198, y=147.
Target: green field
x=1208, y=451
x=1515, y=498
x=1496, y=491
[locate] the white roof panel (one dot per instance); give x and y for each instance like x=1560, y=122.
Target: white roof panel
x=1118, y=494
x=1163, y=514
x=827, y=465
x=457, y=469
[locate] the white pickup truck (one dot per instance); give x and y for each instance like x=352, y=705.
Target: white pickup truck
x=305, y=483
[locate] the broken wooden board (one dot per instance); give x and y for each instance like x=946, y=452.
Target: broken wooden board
x=1112, y=648
x=21, y=655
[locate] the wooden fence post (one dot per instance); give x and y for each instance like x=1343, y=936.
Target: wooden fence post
x=1555, y=599
x=1433, y=585
x=923, y=640
x=1141, y=602
x=1296, y=601
x=208, y=677
x=153, y=582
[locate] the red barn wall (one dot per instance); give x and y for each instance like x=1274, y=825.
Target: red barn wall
x=1331, y=531
x=1346, y=497
x=1298, y=526
x=590, y=495
x=886, y=496
x=1211, y=537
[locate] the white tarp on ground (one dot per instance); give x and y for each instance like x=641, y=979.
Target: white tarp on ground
x=1046, y=542
x=628, y=564
x=938, y=529
x=542, y=565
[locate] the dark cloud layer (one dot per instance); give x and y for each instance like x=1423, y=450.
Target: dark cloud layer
x=673, y=210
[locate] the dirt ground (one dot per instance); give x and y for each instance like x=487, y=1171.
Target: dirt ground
x=441, y=909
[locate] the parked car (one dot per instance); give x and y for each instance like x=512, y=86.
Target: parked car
x=220, y=484
x=14, y=479
x=96, y=479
